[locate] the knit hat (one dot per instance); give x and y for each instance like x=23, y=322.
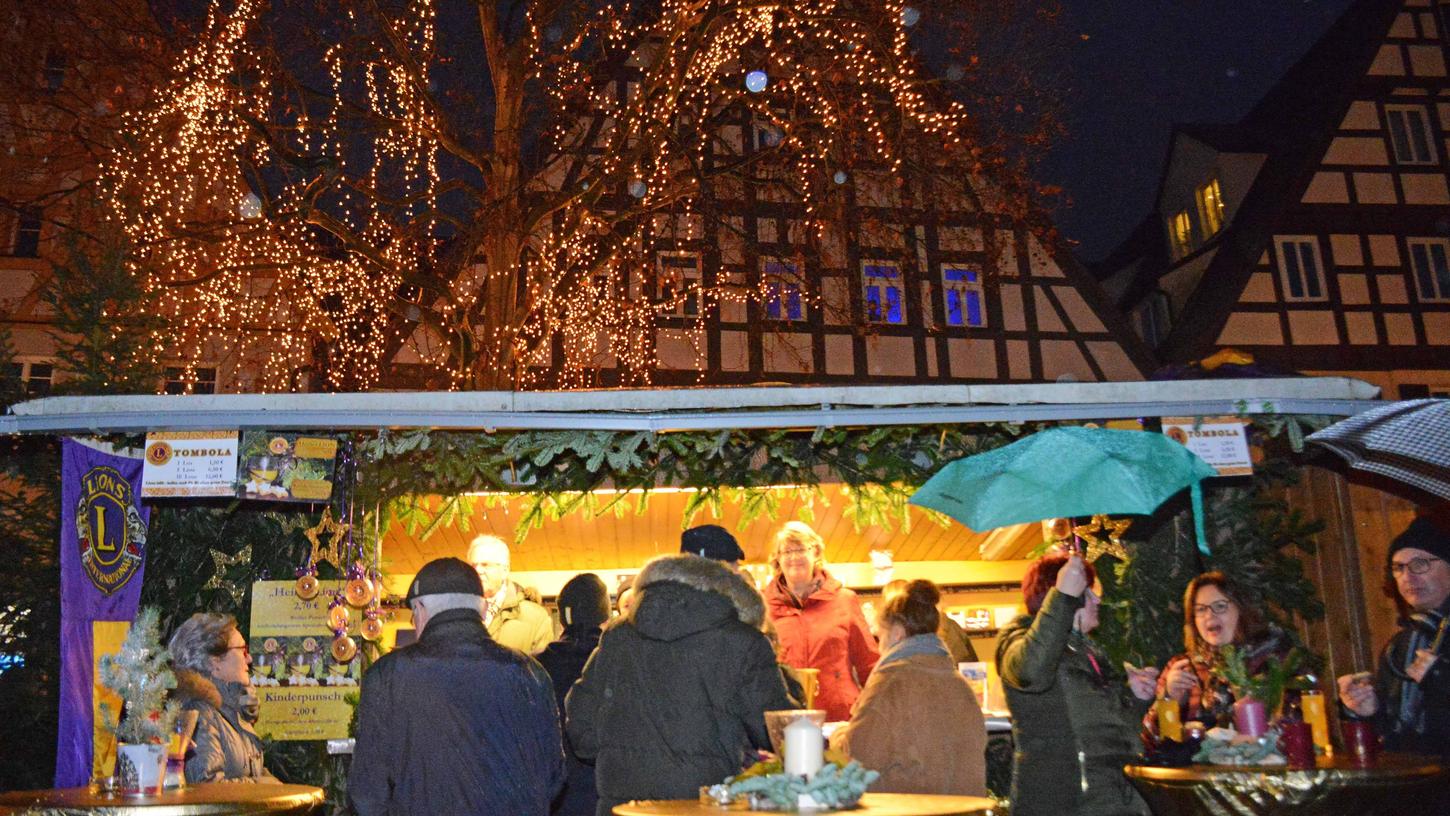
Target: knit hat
x=584, y=602
x=444, y=576
x=1423, y=534
x=711, y=541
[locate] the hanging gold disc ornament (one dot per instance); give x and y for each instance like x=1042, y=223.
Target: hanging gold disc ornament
x=372, y=625
x=338, y=616
x=307, y=583
x=344, y=648
x=359, y=590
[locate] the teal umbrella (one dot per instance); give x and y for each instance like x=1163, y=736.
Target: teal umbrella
x=1067, y=472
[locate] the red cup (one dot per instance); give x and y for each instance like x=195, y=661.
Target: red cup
x=1361, y=742
x=1296, y=741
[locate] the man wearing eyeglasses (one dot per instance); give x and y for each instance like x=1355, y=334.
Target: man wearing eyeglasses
x=1409, y=696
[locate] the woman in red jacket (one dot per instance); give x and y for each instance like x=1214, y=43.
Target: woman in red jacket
x=819, y=621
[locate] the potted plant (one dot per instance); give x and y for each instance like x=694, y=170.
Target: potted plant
x=140, y=674
x=1257, y=692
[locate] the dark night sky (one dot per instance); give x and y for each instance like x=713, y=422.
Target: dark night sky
x=1146, y=64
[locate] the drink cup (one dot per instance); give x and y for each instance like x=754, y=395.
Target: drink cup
x=1311, y=703
x=1170, y=724
x=1361, y=742
x=1296, y=741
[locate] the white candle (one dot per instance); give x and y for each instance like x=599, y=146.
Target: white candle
x=805, y=748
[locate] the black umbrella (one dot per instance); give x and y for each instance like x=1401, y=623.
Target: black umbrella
x=1405, y=441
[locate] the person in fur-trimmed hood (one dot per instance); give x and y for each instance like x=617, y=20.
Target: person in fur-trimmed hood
x=676, y=694
x=210, y=660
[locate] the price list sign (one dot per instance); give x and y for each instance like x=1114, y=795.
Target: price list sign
x=189, y=463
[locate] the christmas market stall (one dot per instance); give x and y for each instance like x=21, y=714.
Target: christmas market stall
x=306, y=515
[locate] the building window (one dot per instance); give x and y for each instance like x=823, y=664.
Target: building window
x=1180, y=231
x=1430, y=258
x=1410, y=134
x=27, y=234
x=962, y=292
x=1210, y=208
x=32, y=379
x=783, y=292
x=204, y=381
x=1299, y=267
x=881, y=287
x=677, y=278
x=1155, y=318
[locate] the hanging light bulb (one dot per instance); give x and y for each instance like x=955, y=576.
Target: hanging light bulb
x=755, y=81
x=250, y=207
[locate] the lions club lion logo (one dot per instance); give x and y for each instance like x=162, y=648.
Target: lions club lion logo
x=159, y=453
x=109, y=529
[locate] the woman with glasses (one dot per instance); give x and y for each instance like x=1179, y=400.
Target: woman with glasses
x=819, y=621
x=211, y=661
x=1215, y=614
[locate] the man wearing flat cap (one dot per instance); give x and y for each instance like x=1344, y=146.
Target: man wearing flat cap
x=713, y=542
x=455, y=723
x=1408, y=698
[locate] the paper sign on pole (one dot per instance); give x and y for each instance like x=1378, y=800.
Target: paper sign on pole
x=189, y=463
x=1223, y=442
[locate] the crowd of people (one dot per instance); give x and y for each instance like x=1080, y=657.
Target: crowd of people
x=668, y=691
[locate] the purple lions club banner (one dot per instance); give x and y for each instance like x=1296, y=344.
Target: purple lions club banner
x=102, y=555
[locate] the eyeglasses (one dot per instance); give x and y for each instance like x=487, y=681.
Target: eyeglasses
x=1415, y=566
x=798, y=551
x=245, y=650
x=1217, y=608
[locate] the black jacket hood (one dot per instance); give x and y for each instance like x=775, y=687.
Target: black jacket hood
x=680, y=595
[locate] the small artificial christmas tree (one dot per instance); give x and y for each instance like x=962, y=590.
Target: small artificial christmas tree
x=140, y=674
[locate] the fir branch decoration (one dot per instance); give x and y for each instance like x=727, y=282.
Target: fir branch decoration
x=1268, y=685
x=140, y=674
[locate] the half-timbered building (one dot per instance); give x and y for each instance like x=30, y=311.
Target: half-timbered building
x=1315, y=232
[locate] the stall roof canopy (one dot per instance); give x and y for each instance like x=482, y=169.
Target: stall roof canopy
x=695, y=408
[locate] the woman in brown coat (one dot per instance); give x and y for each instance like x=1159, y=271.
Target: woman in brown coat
x=917, y=721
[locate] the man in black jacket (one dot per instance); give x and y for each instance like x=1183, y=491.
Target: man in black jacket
x=675, y=696
x=455, y=723
x=1409, y=697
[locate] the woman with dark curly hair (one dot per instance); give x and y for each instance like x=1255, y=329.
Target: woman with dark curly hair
x=1215, y=614
x=211, y=659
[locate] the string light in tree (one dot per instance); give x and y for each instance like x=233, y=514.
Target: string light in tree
x=357, y=248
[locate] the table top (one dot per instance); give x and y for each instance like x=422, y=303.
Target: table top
x=872, y=804
x=208, y=799
x=1388, y=766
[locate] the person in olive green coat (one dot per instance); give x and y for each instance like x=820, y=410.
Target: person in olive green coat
x=513, y=620
x=1074, y=721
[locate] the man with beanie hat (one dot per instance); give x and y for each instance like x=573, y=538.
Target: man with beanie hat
x=455, y=723
x=583, y=609
x=713, y=542
x=1409, y=696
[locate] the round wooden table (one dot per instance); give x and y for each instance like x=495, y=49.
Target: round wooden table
x=212, y=799
x=1334, y=786
x=872, y=804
